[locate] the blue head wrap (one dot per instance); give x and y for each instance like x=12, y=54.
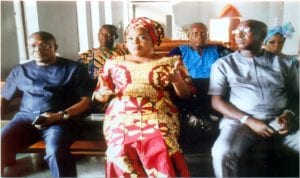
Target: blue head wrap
x=286, y=30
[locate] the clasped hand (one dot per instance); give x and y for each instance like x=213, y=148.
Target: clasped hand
x=103, y=94
x=46, y=119
x=264, y=130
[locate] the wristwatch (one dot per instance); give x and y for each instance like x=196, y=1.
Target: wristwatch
x=65, y=114
x=244, y=119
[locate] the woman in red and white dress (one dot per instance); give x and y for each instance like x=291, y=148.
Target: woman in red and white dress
x=141, y=125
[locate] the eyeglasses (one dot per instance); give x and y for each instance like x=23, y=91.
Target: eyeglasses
x=244, y=31
x=40, y=46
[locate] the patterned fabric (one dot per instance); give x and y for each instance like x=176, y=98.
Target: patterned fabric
x=286, y=30
x=141, y=124
x=95, y=58
x=154, y=28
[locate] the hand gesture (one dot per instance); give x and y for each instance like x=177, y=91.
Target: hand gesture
x=174, y=75
x=46, y=119
x=102, y=92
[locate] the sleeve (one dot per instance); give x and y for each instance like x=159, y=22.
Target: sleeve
x=85, y=59
x=185, y=75
x=175, y=51
x=293, y=88
x=10, y=86
x=84, y=56
x=84, y=84
x=218, y=84
x=106, y=74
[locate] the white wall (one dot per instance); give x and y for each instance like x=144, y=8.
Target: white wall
x=60, y=18
x=157, y=11
x=292, y=14
x=117, y=18
x=9, y=42
x=187, y=12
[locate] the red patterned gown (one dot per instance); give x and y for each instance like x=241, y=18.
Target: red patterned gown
x=141, y=124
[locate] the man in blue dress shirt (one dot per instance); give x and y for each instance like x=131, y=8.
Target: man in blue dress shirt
x=198, y=57
x=53, y=88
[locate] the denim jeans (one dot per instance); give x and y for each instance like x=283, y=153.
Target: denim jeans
x=19, y=133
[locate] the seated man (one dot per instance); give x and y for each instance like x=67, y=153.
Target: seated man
x=54, y=89
x=198, y=56
x=258, y=94
x=95, y=58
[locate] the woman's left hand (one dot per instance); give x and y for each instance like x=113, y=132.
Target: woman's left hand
x=174, y=75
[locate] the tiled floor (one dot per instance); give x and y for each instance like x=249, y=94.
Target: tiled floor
x=33, y=166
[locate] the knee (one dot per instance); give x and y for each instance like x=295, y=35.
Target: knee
x=55, y=150
x=52, y=150
x=220, y=151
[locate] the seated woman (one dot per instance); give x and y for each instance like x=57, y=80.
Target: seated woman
x=276, y=36
x=141, y=125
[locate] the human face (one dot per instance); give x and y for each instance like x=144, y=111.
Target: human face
x=139, y=42
x=42, y=51
x=275, y=44
x=198, y=36
x=106, y=38
x=244, y=36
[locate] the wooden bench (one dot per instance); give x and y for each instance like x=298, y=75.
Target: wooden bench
x=79, y=147
x=91, y=141
x=94, y=143
x=167, y=45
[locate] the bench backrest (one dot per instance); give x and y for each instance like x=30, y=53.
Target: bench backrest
x=167, y=45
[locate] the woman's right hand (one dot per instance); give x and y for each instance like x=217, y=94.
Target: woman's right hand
x=103, y=94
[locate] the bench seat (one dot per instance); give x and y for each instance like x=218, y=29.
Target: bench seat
x=89, y=142
x=79, y=147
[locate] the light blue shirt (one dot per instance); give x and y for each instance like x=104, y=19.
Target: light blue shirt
x=258, y=86
x=199, y=66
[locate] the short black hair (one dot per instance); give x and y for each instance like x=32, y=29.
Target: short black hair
x=112, y=28
x=258, y=26
x=45, y=36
